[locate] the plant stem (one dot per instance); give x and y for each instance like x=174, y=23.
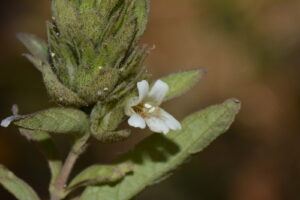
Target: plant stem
x=59, y=186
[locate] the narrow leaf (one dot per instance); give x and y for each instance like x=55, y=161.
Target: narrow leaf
x=158, y=155
x=181, y=82
x=142, y=11
x=16, y=186
x=55, y=120
x=101, y=174
x=105, y=119
x=37, y=47
x=59, y=92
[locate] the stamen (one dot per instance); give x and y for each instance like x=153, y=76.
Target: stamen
x=152, y=109
x=147, y=105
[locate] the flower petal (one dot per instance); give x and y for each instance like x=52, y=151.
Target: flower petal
x=158, y=92
x=137, y=121
x=7, y=121
x=131, y=102
x=143, y=88
x=169, y=120
x=157, y=125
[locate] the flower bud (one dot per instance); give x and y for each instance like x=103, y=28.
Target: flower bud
x=92, y=46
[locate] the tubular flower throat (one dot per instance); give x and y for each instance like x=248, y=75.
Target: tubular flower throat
x=144, y=109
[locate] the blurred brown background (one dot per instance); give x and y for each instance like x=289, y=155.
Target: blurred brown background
x=251, y=50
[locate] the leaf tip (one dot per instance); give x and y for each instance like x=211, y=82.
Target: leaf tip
x=198, y=72
x=20, y=35
x=201, y=70
x=234, y=104
x=23, y=37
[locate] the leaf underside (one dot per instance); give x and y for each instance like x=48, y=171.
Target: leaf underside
x=159, y=155
x=55, y=120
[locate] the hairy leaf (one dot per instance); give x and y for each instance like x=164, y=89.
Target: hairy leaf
x=142, y=10
x=37, y=47
x=55, y=120
x=158, y=155
x=100, y=86
x=105, y=119
x=16, y=186
x=101, y=174
x=181, y=82
x=112, y=136
x=59, y=92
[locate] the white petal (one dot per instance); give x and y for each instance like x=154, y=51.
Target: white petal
x=143, y=88
x=129, y=104
x=7, y=121
x=157, y=125
x=137, y=121
x=169, y=120
x=158, y=92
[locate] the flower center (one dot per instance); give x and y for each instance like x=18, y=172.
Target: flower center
x=145, y=109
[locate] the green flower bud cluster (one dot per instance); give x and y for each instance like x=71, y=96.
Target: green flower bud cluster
x=92, y=53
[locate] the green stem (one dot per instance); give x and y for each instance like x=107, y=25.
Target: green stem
x=58, y=191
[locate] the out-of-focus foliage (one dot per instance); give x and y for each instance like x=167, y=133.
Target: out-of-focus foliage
x=16, y=186
x=181, y=82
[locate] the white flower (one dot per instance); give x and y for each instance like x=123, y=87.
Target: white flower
x=144, y=109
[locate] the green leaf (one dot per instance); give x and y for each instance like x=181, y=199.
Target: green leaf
x=16, y=186
x=101, y=174
x=100, y=86
x=55, y=120
x=158, y=155
x=181, y=82
x=112, y=136
x=142, y=11
x=105, y=119
x=37, y=47
x=46, y=145
x=58, y=92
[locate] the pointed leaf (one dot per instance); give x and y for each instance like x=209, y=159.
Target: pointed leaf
x=142, y=11
x=101, y=174
x=158, y=155
x=16, y=186
x=37, y=47
x=59, y=92
x=181, y=82
x=105, y=119
x=55, y=120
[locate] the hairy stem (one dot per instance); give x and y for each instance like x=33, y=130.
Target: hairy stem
x=58, y=191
